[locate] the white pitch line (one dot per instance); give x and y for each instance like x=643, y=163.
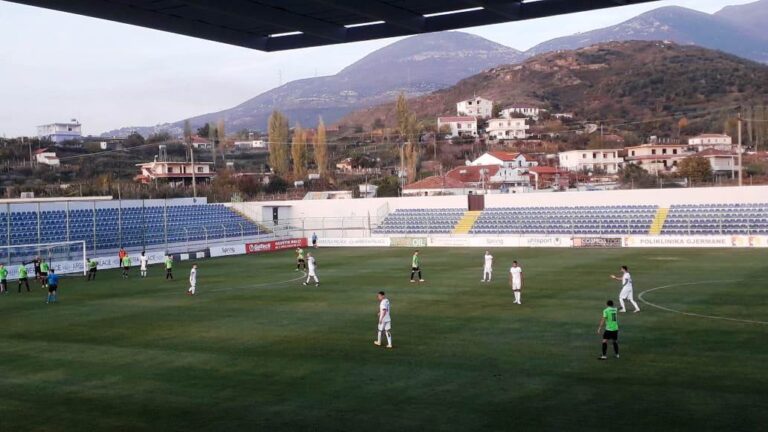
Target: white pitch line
x=664, y=308
x=304, y=274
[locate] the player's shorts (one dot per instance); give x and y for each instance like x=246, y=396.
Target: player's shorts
x=415, y=268
x=126, y=268
x=52, y=288
x=488, y=269
x=386, y=325
x=93, y=270
x=626, y=293
x=516, y=285
x=312, y=273
x=144, y=267
x=611, y=335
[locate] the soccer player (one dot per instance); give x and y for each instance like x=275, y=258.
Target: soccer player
x=626, y=289
x=120, y=255
x=92, y=268
x=168, y=267
x=23, y=277
x=611, y=323
x=126, y=265
x=36, y=262
x=300, y=262
x=314, y=240
x=53, y=286
x=143, y=261
x=385, y=321
x=312, y=270
x=488, y=268
x=516, y=281
x=192, y=280
x=3, y=279
x=416, y=266
x=44, y=267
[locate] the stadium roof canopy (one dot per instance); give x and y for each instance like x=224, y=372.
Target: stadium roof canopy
x=274, y=25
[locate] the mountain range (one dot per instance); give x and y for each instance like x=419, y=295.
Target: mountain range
x=422, y=64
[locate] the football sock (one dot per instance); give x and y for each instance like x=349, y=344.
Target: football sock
x=413, y=273
x=517, y=296
x=621, y=302
x=605, y=348
x=389, y=338
x=378, y=337
x=616, y=347
x=634, y=304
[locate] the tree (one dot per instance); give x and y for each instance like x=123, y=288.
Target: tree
x=299, y=152
x=634, y=176
x=213, y=138
x=276, y=185
x=696, y=168
x=203, y=131
x=409, y=129
x=221, y=137
x=187, y=133
x=133, y=140
x=321, y=149
x=388, y=187
x=277, y=128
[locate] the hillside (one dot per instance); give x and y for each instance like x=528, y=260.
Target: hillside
x=416, y=65
x=725, y=31
x=626, y=81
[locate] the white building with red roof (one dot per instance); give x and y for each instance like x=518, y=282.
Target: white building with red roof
x=175, y=172
x=527, y=110
x=656, y=158
x=458, y=125
x=720, y=161
x=711, y=141
x=475, y=107
x=507, y=128
x=45, y=157
x=505, y=159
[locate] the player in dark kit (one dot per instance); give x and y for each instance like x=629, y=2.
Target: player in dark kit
x=609, y=320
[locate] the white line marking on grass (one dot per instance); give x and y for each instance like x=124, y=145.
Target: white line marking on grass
x=304, y=275
x=664, y=308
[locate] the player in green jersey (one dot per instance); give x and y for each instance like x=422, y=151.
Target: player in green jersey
x=44, y=267
x=23, y=274
x=93, y=267
x=3, y=279
x=168, y=267
x=610, y=322
x=300, y=261
x=416, y=266
x=126, y=265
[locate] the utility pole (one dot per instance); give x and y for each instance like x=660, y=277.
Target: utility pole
x=740, y=161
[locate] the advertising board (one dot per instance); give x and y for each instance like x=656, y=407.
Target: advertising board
x=275, y=245
x=353, y=242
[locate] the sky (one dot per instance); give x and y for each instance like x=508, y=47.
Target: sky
x=56, y=66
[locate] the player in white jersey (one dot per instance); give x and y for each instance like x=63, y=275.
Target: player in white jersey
x=488, y=267
x=385, y=321
x=516, y=281
x=311, y=270
x=192, y=280
x=143, y=260
x=626, y=289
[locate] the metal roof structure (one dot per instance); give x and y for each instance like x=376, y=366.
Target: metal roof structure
x=274, y=25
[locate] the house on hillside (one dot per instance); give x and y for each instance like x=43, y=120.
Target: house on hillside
x=458, y=126
x=703, y=142
x=201, y=143
x=608, y=161
x=657, y=158
x=249, y=145
x=507, y=128
x=722, y=162
x=58, y=133
x=436, y=185
x=358, y=165
x=505, y=159
x=475, y=107
x=46, y=157
x=175, y=173
x=526, y=110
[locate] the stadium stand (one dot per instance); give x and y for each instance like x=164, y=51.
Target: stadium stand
x=127, y=227
x=714, y=219
x=420, y=221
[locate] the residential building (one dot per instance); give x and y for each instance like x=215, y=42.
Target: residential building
x=657, y=158
x=46, y=157
x=458, y=125
x=505, y=159
x=436, y=185
x=252, y=144
x=549, y=177
x=529, y=111
x=60, y=132
x=507, y=128
x=721, y=162
x=177, y=173
x=711, y=141
x=564, y=115
x=201, y=143
x=594, y=160
x=475, y=107
x=359, y=165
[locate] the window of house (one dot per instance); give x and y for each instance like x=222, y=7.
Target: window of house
x=674, y=151
x=199, y=169
x=594, y=155
x=653, y=152
x=583, y=155
x=170, y=170
x=633, y=152
x=663, y=151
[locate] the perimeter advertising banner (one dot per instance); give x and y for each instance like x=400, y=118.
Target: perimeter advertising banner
x=275, y=245
x=679, y=241
x=412, y=242
x=353, y=242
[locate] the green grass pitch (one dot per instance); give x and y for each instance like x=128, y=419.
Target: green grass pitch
x=255, y=350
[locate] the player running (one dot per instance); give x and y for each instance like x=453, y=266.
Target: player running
x=92, y=268
x=52, y=282
x=488, y=267
x=143, y=260
x=168, y=267
x=516, y=281
x=192, y=280
x=23, y=277
x=3, y=279
x=611, y=323
x=626, y=289
x=126, y=263
x=312, y=270
x=300, y=262
x=416, y=266
x=385, y=321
